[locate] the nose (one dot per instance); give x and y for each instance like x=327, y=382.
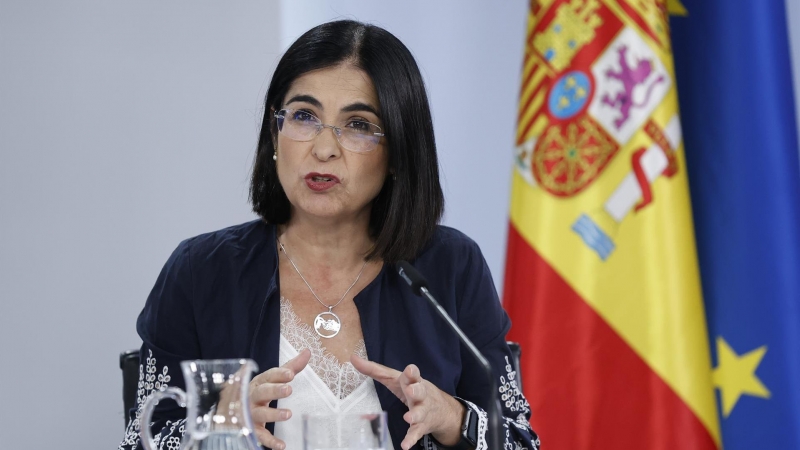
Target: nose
x=326, y=145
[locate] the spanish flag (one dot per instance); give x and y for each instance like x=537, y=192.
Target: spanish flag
x=602, y=281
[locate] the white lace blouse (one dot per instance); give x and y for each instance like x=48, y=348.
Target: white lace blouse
x=325, y=386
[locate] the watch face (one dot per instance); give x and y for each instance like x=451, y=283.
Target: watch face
x=470, y=433
x=469, y=429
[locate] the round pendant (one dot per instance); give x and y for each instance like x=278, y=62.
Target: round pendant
x=327, y=324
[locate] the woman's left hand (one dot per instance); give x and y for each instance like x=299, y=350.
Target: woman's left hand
x=429, y=409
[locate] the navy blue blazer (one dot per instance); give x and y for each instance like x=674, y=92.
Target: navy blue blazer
x=218, y=296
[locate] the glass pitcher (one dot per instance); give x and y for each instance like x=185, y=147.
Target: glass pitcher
x=218, y=410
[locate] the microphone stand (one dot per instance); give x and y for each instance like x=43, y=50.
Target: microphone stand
x=493, y=412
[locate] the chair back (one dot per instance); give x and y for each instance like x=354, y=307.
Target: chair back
x=129, y=363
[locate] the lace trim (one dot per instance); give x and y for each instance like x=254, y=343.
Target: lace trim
x=341, y=378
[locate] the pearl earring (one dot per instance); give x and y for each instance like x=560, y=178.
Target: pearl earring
x=275, y=156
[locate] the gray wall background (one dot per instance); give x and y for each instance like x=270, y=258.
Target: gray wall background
x=126, y=127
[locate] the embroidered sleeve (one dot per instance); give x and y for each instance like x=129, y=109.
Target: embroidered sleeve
x=166, y=433
x=516, y=413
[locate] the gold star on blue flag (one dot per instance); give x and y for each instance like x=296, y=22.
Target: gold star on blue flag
x=735, y=375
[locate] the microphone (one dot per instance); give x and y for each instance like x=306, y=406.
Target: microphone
x=420, y=287
x=412, y=277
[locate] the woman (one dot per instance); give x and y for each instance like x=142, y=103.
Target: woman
x=346, y=184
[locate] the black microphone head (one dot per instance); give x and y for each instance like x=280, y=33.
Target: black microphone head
x=411, y=276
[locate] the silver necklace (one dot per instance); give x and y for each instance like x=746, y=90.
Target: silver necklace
x=327, y=324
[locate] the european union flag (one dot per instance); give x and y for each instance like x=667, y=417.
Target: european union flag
x=737, y=110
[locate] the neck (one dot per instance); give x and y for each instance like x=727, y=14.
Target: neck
x=332, y=244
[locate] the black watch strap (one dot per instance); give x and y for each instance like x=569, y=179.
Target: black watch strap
x=469, y=430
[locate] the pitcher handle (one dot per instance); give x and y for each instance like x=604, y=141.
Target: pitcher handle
x=146, y=435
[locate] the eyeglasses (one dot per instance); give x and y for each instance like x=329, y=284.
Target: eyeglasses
x=356, y=135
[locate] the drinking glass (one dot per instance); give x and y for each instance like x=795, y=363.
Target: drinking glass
x=345, y=431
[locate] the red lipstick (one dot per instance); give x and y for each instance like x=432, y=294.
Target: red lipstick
x=321, y=181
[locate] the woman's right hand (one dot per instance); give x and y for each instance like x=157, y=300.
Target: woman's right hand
x=270, y=385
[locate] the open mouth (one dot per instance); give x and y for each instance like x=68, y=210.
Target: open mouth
x=317, y=177
x=321, y=181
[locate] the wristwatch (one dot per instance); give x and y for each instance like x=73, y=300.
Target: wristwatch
x=469, y=430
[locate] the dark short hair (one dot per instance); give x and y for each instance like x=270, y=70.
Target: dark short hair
x=407, y=209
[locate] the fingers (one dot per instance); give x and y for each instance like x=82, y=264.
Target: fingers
x=416, y=415
x=284, y=373
x=274, y=375
x=412, y=373
x=380, y=373
x=428, y=410
x=262, y=415
x=265, y=414
x=268, y=440
x=414, y=434
x=298, y=363
x=267, y=392
x=373, y=370
x=271, y=384
x=415, y=392
x=410, y=384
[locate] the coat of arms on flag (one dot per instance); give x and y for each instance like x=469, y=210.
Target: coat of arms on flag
x=591, y=83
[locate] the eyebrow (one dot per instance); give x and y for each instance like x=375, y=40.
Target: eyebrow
x=358, y=106
x=305, y=98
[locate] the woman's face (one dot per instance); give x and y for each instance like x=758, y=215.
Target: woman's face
x=335, y=95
